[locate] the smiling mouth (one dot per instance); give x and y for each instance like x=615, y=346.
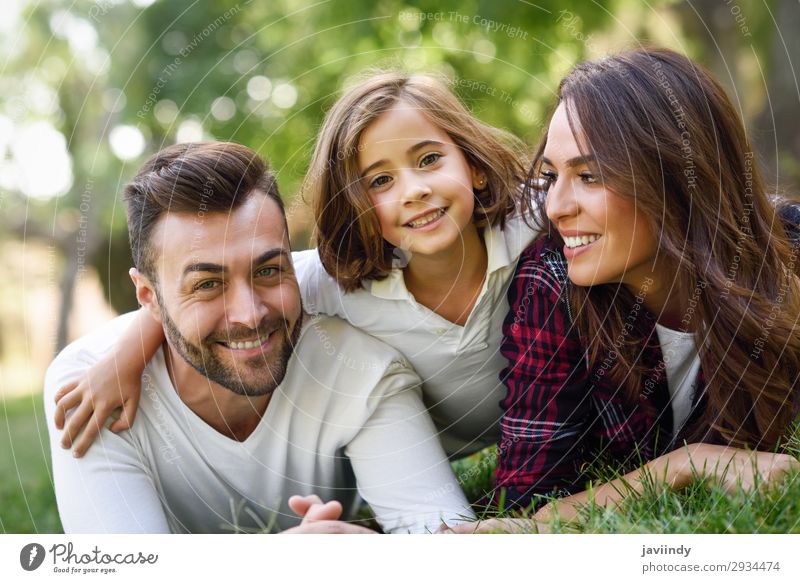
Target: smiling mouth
x=432, y=216
x=575, y=242
x=247, y=344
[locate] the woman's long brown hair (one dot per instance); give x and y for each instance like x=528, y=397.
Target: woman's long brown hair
x=664, y=132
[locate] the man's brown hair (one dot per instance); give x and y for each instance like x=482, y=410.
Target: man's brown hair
x=199, y=177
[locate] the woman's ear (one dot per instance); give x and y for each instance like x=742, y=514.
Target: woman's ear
x=478, y=179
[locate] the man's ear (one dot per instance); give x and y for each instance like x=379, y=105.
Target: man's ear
x=145, y=293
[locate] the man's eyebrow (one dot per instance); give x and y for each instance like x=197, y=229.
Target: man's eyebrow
x=411, y=150
x=204, y=267
x=271, y=254
x=216, y=268
x=572, y=162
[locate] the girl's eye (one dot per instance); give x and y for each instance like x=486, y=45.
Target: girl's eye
x=205, y=285
x=588, y=178
x=379, y=181
x=429, y=159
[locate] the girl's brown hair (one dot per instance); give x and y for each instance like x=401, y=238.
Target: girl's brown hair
x=348, y=235
x=664, y=132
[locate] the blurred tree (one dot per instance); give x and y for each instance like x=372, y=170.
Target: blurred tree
x=129, y=81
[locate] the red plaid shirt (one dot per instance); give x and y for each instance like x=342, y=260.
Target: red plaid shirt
x=561, y=411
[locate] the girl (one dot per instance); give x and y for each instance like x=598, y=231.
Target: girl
x=418, y=209
x=662, y=307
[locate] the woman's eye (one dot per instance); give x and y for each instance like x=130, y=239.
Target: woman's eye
x=379, y=181
x=429, y=159
x=588, y=178
x=546, y=179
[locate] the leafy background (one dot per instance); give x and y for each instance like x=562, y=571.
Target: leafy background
x=89, y=89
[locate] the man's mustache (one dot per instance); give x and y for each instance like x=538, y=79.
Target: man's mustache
x=236, y=333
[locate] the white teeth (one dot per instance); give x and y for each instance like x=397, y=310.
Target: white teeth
x=426, y=219
x=249, y=344
x=573, y=242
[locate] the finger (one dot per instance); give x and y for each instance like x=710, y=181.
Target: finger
x=329, y=511
x=72, y=399
x=76, y=421
x=88, y=435
x=127, y=416
x=301, y=504
x=66, y=389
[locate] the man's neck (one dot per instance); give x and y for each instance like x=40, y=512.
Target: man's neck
x=234, y=416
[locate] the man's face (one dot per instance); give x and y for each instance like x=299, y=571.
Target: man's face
x=227, y=293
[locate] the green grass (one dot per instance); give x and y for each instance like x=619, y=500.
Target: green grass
x=27, y=502
x=702, y=508
x=26, y=487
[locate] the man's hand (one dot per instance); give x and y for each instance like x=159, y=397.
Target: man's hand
x=321, y=518
x=311, y=508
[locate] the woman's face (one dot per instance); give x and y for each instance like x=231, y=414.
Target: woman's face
x=607, y=239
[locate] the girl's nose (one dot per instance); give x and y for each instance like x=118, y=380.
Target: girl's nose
x=415, y=188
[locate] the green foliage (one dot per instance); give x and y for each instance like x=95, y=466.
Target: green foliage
x=26, y=486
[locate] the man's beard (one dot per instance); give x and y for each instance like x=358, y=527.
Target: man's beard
x=204, y=358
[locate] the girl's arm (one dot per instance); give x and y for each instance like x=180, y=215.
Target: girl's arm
x=112, y=383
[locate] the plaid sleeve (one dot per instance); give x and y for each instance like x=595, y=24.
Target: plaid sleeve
x=547, y=403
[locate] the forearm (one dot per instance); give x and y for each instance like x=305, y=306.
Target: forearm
x=139, y=343
x=110, y=490
x=672, y=470
x=401, y=469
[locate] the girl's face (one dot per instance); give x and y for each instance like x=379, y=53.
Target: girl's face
x=419, y=181
x=607, y=239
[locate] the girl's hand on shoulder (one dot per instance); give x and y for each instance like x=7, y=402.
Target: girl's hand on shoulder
x=84, y=406
x=734, y=467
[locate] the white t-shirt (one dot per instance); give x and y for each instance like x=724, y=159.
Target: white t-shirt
x=459, y=365
x=348, y=414
x=682, y=365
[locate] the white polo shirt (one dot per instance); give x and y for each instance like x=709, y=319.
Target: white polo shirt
x=459, y=365
x=347, y=418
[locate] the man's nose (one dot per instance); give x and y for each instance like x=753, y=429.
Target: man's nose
x=243, y=305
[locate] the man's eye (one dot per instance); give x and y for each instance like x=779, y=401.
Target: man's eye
x=379, y=181
x=206, y=285
x=267, y=271
x=429, y=159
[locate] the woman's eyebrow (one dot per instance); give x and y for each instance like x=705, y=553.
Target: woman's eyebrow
x=572, y=162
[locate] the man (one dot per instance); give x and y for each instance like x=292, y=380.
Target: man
x=245, y=404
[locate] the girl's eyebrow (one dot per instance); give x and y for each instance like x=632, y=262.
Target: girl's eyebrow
x=572, y=162
x=411, y=150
